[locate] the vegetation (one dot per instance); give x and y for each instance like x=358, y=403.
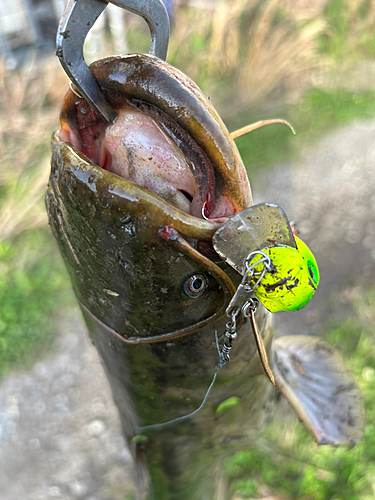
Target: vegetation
x=33, y=285
x=317, y=112
x=33, y=282
x=286, y=462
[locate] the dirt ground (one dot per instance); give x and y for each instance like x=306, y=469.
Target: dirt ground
x=60, y=434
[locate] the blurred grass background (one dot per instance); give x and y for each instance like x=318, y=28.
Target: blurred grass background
x=310, y=62
x=286, y=464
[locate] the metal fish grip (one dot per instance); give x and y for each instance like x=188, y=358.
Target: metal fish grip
x=78, y=18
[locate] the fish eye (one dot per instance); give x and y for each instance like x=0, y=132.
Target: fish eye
x=195, y=286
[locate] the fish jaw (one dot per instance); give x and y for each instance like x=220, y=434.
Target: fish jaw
x=166, y=164
x=194, y=164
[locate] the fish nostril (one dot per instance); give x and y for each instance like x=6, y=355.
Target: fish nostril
x=195, y=286
x=187, y=195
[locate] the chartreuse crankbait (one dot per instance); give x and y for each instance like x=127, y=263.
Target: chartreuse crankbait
x=292, y=279
x=278, y=269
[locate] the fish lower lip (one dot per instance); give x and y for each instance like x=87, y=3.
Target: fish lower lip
x=111, y=190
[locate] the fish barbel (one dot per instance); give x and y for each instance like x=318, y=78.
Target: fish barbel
x=134, y=206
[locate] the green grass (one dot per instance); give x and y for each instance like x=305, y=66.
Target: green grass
x=318, y=112
x=34, y=287
x=350, y=36
x=289, y=463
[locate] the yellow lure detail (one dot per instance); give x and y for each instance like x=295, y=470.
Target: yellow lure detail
x=293, y=280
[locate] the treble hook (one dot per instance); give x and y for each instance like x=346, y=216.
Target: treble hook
x=77, y=20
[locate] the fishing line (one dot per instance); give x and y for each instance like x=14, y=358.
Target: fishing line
x=189, y=415
x=180, y=419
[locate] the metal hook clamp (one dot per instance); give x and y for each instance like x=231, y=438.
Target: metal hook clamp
x=242, y=303
x=78, y=18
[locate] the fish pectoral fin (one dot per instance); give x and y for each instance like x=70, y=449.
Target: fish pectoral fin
x=321, y=390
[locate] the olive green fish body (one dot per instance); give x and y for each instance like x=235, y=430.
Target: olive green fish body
x=157, y=344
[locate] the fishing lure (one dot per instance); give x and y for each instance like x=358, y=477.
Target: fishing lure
x=278, y=269
x=291, y=275
x=292, y=279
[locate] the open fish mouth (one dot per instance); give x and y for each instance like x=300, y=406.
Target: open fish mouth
x=167, y=138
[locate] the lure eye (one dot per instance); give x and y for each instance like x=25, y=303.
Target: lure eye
x=195, y=286
x=312, y=272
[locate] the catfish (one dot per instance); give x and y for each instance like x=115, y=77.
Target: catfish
x=134, y=206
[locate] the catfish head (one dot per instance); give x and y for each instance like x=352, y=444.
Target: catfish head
x=147, y=192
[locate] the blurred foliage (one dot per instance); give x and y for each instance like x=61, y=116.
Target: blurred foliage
x=33, y=284
x=317, y=112
x=351, y=26
x=248, y=48
x=286, y=463
x=33, y=280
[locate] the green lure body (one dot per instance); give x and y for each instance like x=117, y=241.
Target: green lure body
x=292, y=282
